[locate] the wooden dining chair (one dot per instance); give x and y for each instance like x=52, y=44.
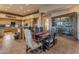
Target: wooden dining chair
x=31, y=45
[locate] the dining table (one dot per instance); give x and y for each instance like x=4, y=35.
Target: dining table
x=40, y=35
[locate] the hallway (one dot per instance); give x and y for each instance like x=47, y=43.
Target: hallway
x=63, y=46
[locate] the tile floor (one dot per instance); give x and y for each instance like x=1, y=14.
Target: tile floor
x=63, y=46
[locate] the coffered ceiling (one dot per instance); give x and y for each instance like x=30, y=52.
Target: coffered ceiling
x=25, y=9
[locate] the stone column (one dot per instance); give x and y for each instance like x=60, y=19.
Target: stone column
x=39, y=21
x=50, y=20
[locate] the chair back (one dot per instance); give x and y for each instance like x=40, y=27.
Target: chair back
x=53, y=32
x=28, y=38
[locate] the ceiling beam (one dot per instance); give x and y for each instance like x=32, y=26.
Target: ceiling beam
x=32, y=13
x=19, y=14
x=10, y=13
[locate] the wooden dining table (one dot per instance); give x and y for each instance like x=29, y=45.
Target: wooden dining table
x=40, y=33
x=36, y=35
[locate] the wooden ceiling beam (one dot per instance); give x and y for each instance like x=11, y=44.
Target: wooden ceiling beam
x=19, y=14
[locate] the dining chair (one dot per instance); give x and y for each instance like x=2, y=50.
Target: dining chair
x=30, y=43
x=50, y=40
x=53, y=34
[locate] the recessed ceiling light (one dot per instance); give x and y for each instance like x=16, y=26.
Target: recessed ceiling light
x=28, y=10
x=6, y=9
x=27, y=4
x=21, y=7
x=17, y=10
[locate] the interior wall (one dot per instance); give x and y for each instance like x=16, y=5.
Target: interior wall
x=8, y=21
x=28, y=21
x=76, y=9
